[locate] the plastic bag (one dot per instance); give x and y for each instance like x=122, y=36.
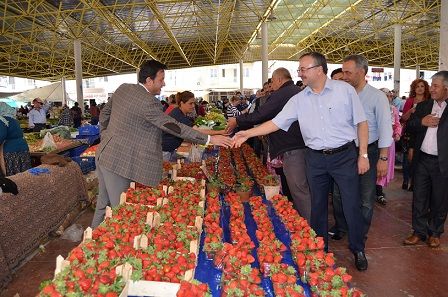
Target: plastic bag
x=48, y=143
x=195, y=153
x=73, y=233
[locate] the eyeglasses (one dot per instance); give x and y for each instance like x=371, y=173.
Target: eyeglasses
x=303, y=69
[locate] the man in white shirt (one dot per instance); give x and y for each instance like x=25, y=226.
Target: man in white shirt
x=37, y=117
x=429, y=124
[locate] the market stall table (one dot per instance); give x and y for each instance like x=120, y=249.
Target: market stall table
x=43, y=203
x=35, y=156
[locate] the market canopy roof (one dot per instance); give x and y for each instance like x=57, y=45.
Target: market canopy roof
x=117, y=35
x=52, y=92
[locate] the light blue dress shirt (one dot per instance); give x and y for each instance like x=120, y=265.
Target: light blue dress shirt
x=378, y=114
x=327, y=119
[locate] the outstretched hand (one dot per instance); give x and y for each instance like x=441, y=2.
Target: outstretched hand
x=8, y=186
x=240, y=138
x=231, y=125
x=221, y=140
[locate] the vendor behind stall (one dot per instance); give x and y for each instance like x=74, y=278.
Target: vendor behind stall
x=37, y=117
x=14, y=152
x=65, y=119
x=185, y=103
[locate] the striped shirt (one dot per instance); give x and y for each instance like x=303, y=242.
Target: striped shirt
x=232, y=111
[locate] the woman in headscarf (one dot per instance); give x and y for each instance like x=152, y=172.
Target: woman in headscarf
x=14, y=153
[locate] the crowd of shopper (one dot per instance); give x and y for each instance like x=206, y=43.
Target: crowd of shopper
x=350, y=130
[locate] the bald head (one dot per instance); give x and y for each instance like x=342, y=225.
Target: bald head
x=279, y=77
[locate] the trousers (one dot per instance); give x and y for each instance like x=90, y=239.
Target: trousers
x=342, y=167
x=294, y=168
x=110, y=186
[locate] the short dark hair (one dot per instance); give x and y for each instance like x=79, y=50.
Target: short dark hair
x=149, y=69
x=360, y=61
x=319, y=60
x=336, y=71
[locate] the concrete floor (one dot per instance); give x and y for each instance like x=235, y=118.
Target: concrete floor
x=394, y=270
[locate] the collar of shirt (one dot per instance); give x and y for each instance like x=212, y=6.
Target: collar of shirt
x=144, y=87
x=328, y=86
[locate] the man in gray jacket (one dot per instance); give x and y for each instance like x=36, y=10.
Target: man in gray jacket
x=132, y=123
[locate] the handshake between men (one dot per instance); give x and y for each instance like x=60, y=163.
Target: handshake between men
x=228, y=142
x=241, y=136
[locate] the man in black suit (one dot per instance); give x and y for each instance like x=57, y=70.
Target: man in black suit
x=289, y=144
x=429, y=124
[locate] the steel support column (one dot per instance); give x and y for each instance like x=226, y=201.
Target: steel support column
x=443, y=53
x=264, y=52
x=78, y=73
x=397, y=58
x=241, y=77
x=64, y=97
x=417, y=71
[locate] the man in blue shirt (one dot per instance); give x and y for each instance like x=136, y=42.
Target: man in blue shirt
x=331, y=117
x=378, y=113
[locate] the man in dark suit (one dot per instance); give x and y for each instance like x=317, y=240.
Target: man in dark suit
x=132, y=123
x=287, y=143
x=429, y=124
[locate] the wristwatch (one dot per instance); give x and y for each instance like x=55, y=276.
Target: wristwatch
x=365, y=156
x=384, y=158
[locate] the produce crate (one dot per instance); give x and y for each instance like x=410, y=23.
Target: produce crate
x=87, y=164
x=77, y=151
x=90, y=138
x=89, y=130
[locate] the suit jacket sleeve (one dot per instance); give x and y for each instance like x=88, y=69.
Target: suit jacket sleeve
x=264, y=113
x=105, y=115
x=414, y=125
x=155, y=116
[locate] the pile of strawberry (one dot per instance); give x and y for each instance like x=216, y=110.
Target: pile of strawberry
x=167, y=256
x=225, y=169
x=238, y=230
x=256, y=167
x=284, y=279
x=316, y=267
x=193, y=289
x=246, y=283
x=144, y=195
x=192, y=169
x=269, y=247
x=213, y=241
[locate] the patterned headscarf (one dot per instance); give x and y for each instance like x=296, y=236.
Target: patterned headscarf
x=6, y=111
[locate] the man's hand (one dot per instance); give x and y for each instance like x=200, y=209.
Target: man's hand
x=221, y=140
x=381, y=168
x=231, y=125
x=240, y=138
x=430, y=120
x=8, y=186
x=363, y=165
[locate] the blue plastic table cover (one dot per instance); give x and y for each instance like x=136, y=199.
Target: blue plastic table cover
x=207, y=273
x=39, y=171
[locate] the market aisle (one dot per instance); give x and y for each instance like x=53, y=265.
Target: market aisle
x=41, y=267
x=394, y=270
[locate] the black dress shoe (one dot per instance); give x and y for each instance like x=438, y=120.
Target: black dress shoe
x=337, y=235
x=361, y=261
x=404, y=186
